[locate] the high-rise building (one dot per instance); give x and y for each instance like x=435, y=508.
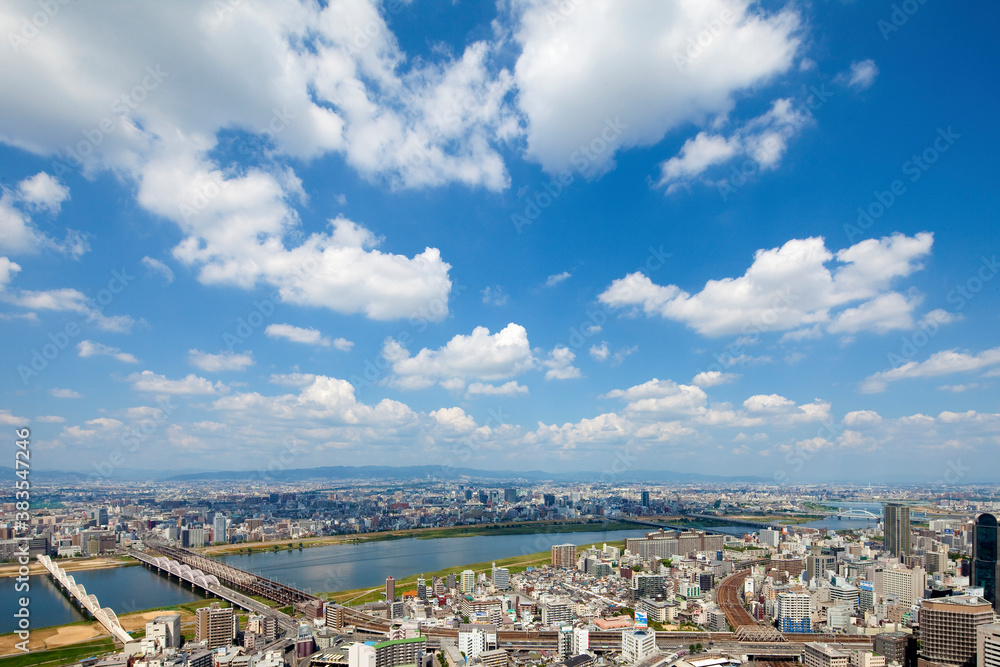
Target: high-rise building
x=549, y=499
x=468, y=581
x=421, y=588
x=644, y=498
x=215, y=625
x=897, y=529
x=564, y=556
x=581, y=641
x=510, y=495
x=390, y=589
x=219, y=528
x=948, y=629
x=793, y=612
x=564, y=641
x=985, y=570
x=501, y=578
x=451, y=580
x=988, y=645
x=905, y=583
x=895, y=646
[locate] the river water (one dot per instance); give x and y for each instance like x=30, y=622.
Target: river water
x=320, y=569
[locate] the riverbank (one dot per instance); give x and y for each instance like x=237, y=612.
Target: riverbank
x=69, y=564
x=514, y=528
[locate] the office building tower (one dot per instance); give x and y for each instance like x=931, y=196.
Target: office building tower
x=948, y=629
x=501, y=578
x=793, y=612
x=897, y=529
x=468, y=581
x=985, y=571
x=988, y=645
x=906, y=584
x=483, y=498
x=510, y=495
x=390, y=589
x=219, y=528
x=421, y=588
x=896, y=647
x=468, y=494
x=549, y=499
x=770, y=537
x=215, y=625
x=644, y=498
x=564, y=556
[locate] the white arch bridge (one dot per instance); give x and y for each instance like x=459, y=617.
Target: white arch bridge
x=105, y=615
x=857, y=514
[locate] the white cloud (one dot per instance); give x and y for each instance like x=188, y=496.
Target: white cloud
x=786, y=288
x=960, y=388
x=18, y=234
x=600, y=352
x=768, y=403
x=511, y=388
x=64, y=393
x=557, y=278
x=43, y=191
x=763, y=139
x=862, y=74
x=480, y=356
x=584, y=65
x=306, y=336
x=50, y=419
x=494, y=295
x=560, y=364
x=713, y=378
x=189, y=385
x=884, y=313
x=88, y=348
x=938, y=364
x=216, y=363
x=860, y=418
x=603, y=353
x=6, y=417
x=156, y=267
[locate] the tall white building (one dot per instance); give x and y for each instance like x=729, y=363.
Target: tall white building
x=472, y=641
x=501, y=578
x=360, y=655
x=468, y=581
x=770, y=537
x=581, y=641
x=906, y=584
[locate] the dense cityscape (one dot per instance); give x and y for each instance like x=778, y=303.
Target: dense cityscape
x=912, y=583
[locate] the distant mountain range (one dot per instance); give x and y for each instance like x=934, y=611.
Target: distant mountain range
x=401, y=473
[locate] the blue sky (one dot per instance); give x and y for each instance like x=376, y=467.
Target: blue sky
x=721, y=236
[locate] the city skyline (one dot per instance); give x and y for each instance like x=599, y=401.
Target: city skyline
x=727, y=239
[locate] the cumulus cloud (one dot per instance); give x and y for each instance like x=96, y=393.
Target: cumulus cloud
x=224, y=361
x=713, y=378
x=479, y=356
x=622, y=76
x=306, y=336
x=19, y=234
x=511, y=388
x=43, y=191
x=940, y=363
x=791, y=288
x=560, y=364
x=763, y=140
x=88, y=348
x=191, y=385
x=64, y=393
